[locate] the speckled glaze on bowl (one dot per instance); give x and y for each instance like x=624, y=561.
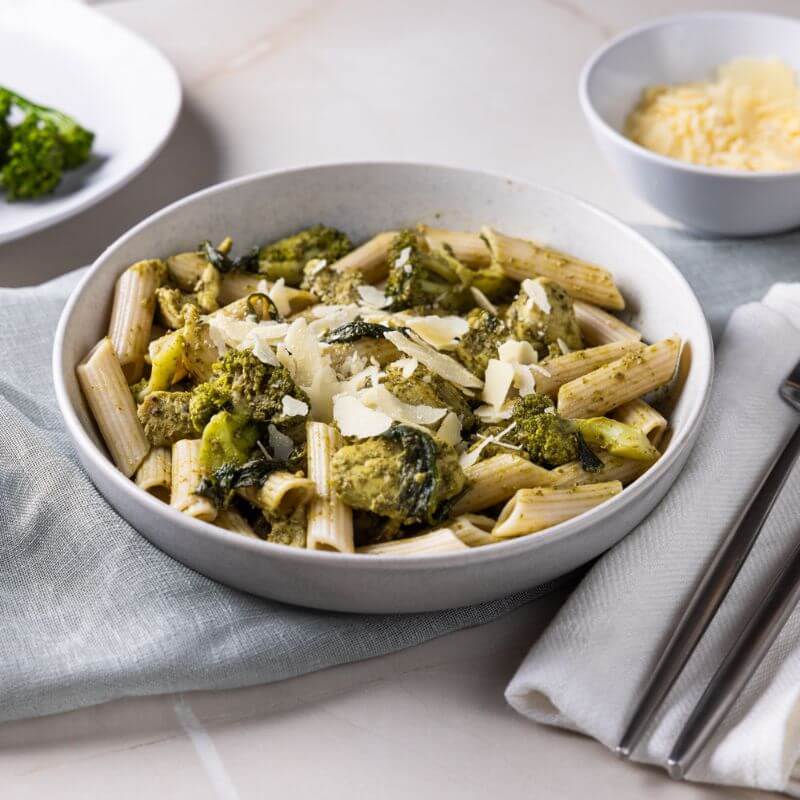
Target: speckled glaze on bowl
x=363, y=199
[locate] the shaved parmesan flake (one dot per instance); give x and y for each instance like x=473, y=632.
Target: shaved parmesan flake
x=441, y=364
x=402, y=259
x=280, y=296
x=263, y=286
x=333, y=317
x=542, y=370
x=439, y=332
x=372, y=296
x=223, y=328
x=491, y=415
x=514, y=352
x=563, y=346
x=407, y=366
x=292, y=407
x=262, y=351
x=369, y=375
x=450, y=429
x=537, y=294
x=356, y=419
x=280, y=443
x=483, y=301
x=381, y=399
x=473, y=456
x=316, y=265
x=523, y=380
x=499, y=379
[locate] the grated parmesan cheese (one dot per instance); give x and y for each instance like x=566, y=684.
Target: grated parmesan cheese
x=537, y=295
x=279, y=294
x=437, y=362
x=372, y=296
x=450, y=429
x=439, y=332
x=499, y=380
x=292, y=407
x=356, y=419
x=381, y=399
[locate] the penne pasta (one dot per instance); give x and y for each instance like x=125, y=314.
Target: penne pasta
x=616, y=383
x=440, y=541
x=236, y=285
x=469, y=248
x=521, y=259
x=155, y=473
x=533, y=510
x=330, y=521
x=496, y=479
x=600, y=327
x=186, y=477
x=282, y=493
x=555, y=372
x=132, y=314
x=624, y=470
x=111, y=402
x=473, y=529
x=643, y=416
x=234, y=522
x=369, y=258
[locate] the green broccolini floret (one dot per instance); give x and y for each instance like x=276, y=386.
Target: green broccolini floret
x=166, y=419
x=420, y=277
x=286, y=258
x=480, y=343
x=35, y=153
x=242, y=384
x=546, y=437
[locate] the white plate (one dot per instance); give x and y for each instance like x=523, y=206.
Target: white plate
x=363, y=199
x=63, y=54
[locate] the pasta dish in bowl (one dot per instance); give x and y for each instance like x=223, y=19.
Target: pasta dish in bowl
x=408, y=394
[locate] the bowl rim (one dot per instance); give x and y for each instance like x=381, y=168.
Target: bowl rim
x=637, y=150
x=702, y=359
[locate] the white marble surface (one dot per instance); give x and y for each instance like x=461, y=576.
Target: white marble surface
x=483, y=84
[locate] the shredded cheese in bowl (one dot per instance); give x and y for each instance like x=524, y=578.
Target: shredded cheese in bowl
x=747, y=118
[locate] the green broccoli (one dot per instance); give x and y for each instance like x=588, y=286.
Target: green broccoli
x=35, y=153
x=546, y=437
x=420, y=277
x=330, y=286
x=227, y=439
x=404, y=474
x=544, y=317
x=244, y=385
x=287, y=530
x=479, y=344
x=286, y=258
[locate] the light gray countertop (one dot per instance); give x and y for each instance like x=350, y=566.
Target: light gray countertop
x=268, y=85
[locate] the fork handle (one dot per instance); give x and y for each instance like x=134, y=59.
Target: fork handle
x=708, y=596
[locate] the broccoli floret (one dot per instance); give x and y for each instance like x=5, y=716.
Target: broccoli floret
x=420, y=277
x=289, y=530
x=330, y=286
x=227, y=439
x=287, y=257
x=528, y=321
x=424, y=387
x=547, y=438
x=36, y=152
x=404, y=474
x=243, y=384
x=479, y=344
x=166, y=419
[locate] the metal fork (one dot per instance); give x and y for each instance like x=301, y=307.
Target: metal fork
x=758, y=634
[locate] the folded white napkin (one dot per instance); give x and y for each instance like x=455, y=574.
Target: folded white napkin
x=589, y=667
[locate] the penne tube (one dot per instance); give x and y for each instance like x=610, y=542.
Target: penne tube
x=186, y=477
x=185, y=269
x=235, y=285
x=234, y=522
x=616, y=383
x=468, y=248
x=330, y=521
x=132, y=314
x=624, y=470
x=520, y=259
x=155, y=473
x=600, y=327
x=441, y=541
x=496, y=479
x=533, y=510
x=106, y=390
x=555, y=372
x=472, y=529
x=282, y=493
x=643, y=416
x=369, y=258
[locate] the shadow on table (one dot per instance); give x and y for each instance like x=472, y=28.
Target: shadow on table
x=190, y=161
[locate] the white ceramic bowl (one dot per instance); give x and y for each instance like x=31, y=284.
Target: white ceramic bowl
x=676, y=50
x=363, y=199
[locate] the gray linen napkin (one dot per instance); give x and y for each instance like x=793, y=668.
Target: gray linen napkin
x=90, y=611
